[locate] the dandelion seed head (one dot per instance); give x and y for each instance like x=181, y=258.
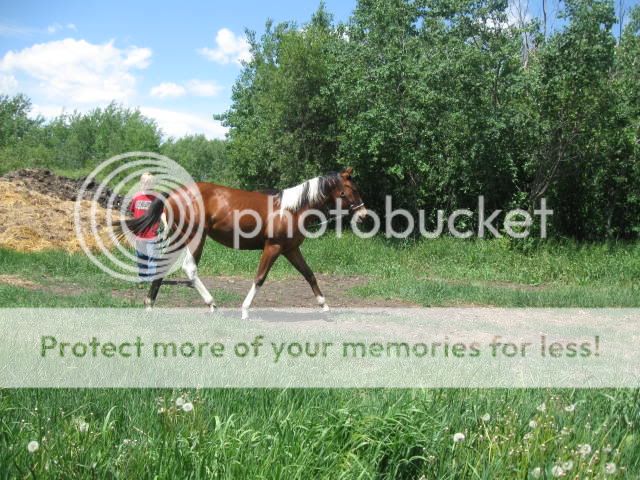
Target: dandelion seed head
x=584, y=449
x=458, y=437
x=610, y=468
x=536, y=472
x=486, y=417
x=33, y=446
x=187, y=407
x=179, y=402
x=557, y=471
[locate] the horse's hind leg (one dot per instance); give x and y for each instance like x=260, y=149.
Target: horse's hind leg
x=269, y=256
x=190, y=267
x=297, y=260
x=153, y=293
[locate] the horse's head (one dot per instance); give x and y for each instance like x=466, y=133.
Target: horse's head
x=347, y=193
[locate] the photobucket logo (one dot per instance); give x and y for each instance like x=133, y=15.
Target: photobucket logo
x=313, y=223
x=132, y=185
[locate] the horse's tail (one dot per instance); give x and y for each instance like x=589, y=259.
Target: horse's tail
x=145, y=222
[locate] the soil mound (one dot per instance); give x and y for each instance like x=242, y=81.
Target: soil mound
x=31, y=221
x=48, y=183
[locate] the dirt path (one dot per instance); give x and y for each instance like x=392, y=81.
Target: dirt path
x=287, y=292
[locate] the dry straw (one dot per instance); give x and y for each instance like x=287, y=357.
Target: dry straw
x=32, y=222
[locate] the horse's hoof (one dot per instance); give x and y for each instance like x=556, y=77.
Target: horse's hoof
x=212, y=308
x=245, y=314
x=148, y=308
x=325, y=308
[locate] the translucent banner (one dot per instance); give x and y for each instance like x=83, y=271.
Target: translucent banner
x=403, y=348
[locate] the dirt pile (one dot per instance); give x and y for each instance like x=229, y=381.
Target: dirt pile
x=48, y=183
x=31, y=221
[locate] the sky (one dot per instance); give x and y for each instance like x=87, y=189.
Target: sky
x=175, y=61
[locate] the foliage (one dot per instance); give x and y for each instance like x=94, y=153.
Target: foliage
x=204, y=159
x=76, y=142
x=436, y=102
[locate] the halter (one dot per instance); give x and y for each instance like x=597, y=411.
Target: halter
x=351, y=209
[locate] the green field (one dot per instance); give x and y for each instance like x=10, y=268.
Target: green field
x=337, y=433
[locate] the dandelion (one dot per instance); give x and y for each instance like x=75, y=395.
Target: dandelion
x=536, y=472
x=557, y=471
x=610, y=468
x=533, y=424
x=187, y=407
x=570, y=408
x=542, y=407
x=83, y=427
x=584, y=450
x=33, y=446
x=568, y=465
x=486, y=417
x=179, y=402
x=458, y=437
x=607, y=449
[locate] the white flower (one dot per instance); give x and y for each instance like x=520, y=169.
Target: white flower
x=536, y=472
x=557, y=471
x=584, y=450
x=533, y=424
x=33, y=446
x=568, y=465
x=179, y=402
x=610, y=468
x=542, y=407
x=458, y=437
x=83, y=427
x=187, y=407
x=486, y=417
x=570, y=408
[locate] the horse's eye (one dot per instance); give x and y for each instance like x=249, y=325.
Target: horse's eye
x=342, y=194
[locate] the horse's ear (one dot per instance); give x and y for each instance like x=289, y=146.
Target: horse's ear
x=346, y=173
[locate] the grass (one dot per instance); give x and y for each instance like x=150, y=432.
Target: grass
x=444, y=272
x=405, y=434
x=318, y=433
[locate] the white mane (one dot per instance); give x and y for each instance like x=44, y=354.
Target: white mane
x=307, y=193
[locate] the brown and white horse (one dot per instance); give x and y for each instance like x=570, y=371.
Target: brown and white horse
x=275, y=234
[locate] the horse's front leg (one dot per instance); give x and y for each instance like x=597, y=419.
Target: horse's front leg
x=269, y=256
x=297, y=260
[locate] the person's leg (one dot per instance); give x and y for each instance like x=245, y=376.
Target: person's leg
x=143, y=260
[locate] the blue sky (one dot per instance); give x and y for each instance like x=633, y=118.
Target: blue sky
x=176, y=61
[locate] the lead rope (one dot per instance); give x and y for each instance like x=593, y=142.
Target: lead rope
x=351, y=209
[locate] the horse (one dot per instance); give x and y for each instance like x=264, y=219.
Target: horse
x=276, y=224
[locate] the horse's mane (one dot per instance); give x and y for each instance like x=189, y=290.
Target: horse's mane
x=311, y=193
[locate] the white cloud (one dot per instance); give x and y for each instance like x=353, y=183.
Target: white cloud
x=8, y=84
x=199, y=88
x=167, y=89
x=229, y=48
x=47, y=111
x=7, y=30
x=177, y=124
x=76, y=71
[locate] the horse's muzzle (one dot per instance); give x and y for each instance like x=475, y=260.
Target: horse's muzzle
x=360, y=212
